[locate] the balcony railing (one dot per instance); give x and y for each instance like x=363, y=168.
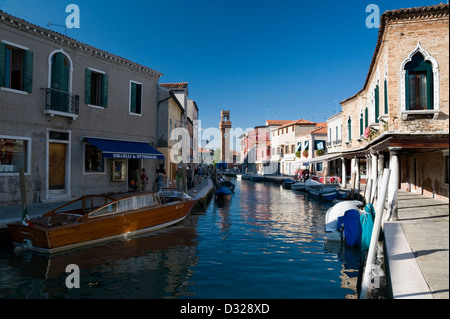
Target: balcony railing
x=61, y=103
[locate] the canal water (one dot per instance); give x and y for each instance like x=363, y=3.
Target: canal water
x=266, y=243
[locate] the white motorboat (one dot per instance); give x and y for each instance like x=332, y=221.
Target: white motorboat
x=333, y=230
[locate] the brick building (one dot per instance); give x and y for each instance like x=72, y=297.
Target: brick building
x=400, y=118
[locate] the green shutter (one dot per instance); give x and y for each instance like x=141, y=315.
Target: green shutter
x=407, y=90
x=105, y=90
x=430, y=98
x=133, y=98
x=366, y=115
x=2, y=64
x=361, y=125
x=377, y=103
x=349, y=124
x=87, y=91
x=27, y=77
x=386, y=105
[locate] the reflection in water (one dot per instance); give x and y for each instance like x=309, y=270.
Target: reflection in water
x=267, y=242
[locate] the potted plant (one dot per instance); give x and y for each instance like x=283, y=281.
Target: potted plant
x=305, y=154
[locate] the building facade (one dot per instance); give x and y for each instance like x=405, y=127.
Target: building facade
x=76, y=119
x=399, y=120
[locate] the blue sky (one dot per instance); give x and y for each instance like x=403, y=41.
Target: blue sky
x=265, y=59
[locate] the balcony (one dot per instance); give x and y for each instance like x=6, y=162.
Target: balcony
x=61, y=103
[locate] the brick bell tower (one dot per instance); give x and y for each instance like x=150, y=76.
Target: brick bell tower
x=225, y=127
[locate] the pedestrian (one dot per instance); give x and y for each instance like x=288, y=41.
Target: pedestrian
x=144, y=179
x=179, y=179
x=160, y=177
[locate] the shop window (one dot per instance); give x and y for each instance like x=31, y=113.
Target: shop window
x=13, y=155
x=93, y=159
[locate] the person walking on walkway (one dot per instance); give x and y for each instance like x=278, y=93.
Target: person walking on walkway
x=144, y=179
x=160, y=177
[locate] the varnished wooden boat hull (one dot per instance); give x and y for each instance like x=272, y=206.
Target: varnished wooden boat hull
x=100, y=229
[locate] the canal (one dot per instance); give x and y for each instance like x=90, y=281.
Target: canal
x=266, y=243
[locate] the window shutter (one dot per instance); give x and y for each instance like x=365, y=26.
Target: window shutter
x=377, y=103
x=133, y=98
x=406, y=90
x=430, y=98
x=105, y=90
x=28, y=71
x=386, y=105
x=2, y=64
x=87, y=95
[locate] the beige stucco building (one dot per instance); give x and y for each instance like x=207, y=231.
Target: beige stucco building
x=78, y=120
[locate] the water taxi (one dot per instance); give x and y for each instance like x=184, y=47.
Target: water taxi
x=93, y=219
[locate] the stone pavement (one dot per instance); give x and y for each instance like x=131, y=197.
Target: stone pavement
x=424, y=222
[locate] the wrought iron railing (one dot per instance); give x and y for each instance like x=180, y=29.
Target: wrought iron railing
x=60, y=101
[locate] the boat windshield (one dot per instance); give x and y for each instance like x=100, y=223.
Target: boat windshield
x=125, y=204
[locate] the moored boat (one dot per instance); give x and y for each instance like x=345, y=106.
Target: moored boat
x=287, y=183
x=324, y=191
x=336, y=229
x=298, y=186
x=93, y=219
x=223, y=193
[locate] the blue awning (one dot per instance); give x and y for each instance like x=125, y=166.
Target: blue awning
x=125, y=150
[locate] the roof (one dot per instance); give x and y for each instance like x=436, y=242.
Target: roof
x=26, y=26
x=298, y=122
x=277, y=122
x=181, y=85
x=409, y=13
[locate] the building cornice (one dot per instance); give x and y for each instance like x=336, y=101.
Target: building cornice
x=30, y=28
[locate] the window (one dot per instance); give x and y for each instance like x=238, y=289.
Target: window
x=366, y=117
x=386, y=108
x=96, y=88
x=377, y=103
x=361, y=124
x=93, y=159
x=13, y=155
x=319, y=167
x=419, y=84
x=349, y=129
x=16, y=67
x=135, y=98
x=293, y=148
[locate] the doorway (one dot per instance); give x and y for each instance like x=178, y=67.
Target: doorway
x=57, y=166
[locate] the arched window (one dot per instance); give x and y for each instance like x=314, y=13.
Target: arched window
x=60, y=72
x=366, y=117
x=59, y=99
x=419, y=84
x=361, y=124
x=349, y=128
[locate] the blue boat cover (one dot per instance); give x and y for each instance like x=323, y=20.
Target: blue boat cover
x=352, y=227
x=223, y=191
x=367, y=220
x=125, y=150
